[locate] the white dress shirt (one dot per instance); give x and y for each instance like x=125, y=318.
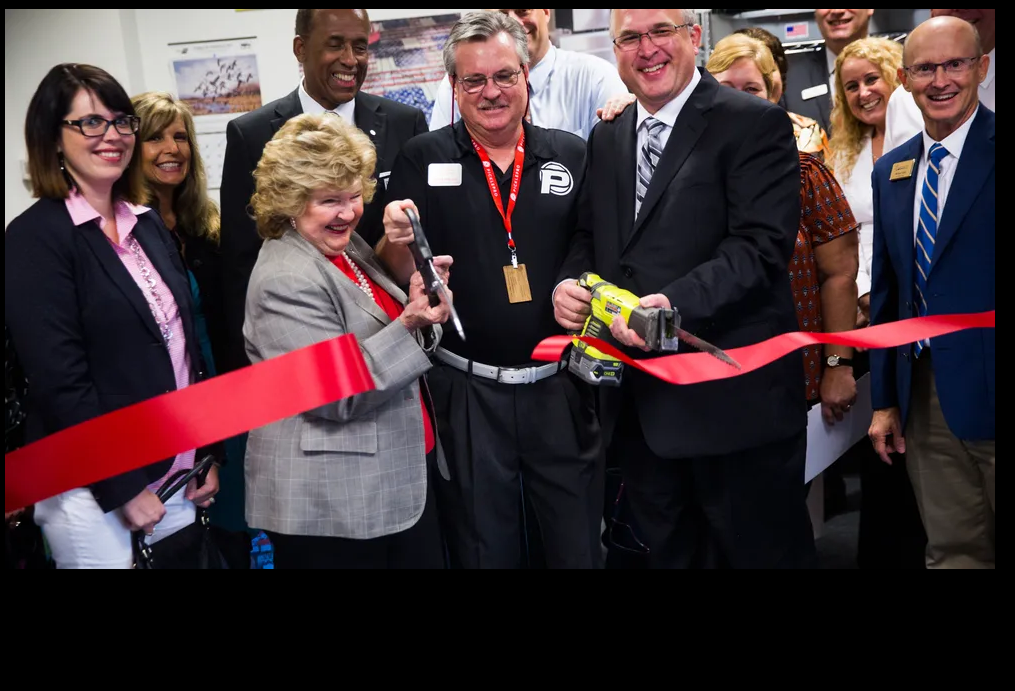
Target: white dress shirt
x=347, y=111
x=904, y=119
x=830, y=58
x=668, y=116
x=954, y=143
x=567, y=89
x=859, y=191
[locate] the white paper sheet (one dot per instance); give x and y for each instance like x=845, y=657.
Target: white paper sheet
x=827, y=443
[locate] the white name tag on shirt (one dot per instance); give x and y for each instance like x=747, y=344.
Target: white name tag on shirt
x=445, y=175
x=814, y=92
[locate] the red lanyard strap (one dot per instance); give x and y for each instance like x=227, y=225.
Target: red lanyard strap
x=516, y=183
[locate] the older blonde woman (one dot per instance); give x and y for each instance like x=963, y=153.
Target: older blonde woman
x=866, y=75
x=824, y=264
x=348, y=485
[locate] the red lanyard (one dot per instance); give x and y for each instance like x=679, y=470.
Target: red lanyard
x=516, y=183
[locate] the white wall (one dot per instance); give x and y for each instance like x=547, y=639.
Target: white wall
x=132, y=45
x=35, y=41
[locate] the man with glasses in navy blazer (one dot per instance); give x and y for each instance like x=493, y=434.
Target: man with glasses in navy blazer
x=934, y=254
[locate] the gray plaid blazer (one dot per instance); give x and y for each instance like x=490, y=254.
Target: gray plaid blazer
x=356, y=468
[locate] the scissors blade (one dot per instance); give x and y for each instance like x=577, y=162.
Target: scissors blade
x=707, y=347
x=454, y=312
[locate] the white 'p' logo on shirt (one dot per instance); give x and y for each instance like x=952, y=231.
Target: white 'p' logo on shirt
x=555, y=179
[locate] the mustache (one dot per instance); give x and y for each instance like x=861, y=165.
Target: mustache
x=490, y=105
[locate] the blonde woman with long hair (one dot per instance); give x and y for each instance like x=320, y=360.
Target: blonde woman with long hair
x=177, y=187
x=866, y=75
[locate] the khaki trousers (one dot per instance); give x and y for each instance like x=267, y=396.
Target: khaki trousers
x=953, y=481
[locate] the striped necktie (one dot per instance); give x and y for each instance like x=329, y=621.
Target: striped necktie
x=648, y=159
x=926, y=233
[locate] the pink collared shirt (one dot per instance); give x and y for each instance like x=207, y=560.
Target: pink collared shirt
x=81, y=212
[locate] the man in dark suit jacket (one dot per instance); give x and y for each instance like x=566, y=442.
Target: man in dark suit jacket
x=714, y=472
x=333, y=47
x=934, y=400
x=809, y=77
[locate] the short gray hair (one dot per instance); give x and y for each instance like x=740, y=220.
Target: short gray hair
x=482, y=26
x=687, y=17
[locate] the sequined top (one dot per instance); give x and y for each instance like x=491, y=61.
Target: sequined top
x=810, y=138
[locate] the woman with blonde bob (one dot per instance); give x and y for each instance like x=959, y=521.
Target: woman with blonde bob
x=824, y=264
x=753, y=45
x=866, y=75
x=350, y=484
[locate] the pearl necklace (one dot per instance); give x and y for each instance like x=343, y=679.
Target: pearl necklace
x=364, y=285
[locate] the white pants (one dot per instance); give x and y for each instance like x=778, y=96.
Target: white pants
x=81, y=536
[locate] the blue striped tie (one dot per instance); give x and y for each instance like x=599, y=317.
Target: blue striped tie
x=926, y=233
x=649, y=159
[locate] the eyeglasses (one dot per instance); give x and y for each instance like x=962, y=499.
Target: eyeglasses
x=955, y=67
x=659, y=36
x=94, y=126
x=503, y=80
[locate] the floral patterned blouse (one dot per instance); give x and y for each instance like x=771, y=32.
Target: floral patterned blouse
x=825, y=215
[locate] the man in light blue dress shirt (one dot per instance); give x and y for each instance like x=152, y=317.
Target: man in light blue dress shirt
x=567, y=88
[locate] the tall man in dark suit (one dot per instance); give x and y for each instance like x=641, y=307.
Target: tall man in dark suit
x=692, y=200
x=934, y=254
x=333, y=47
x=810, y=79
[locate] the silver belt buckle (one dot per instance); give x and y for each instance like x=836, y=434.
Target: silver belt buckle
x=516, y=376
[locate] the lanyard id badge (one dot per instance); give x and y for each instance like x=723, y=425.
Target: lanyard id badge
x=515, y=276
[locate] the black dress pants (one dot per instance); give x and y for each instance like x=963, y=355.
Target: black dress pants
x=745, y=510
x=499, y=438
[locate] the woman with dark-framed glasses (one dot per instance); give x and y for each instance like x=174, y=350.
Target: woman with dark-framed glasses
x=99, y=311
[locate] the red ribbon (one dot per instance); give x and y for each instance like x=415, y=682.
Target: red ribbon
x=196, y=416
x=695, y=368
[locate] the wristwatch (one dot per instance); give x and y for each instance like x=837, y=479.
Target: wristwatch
x=838, y=361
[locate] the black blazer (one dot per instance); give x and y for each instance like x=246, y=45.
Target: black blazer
x=84, y=332
x=805, y=71
x=388, y=124
x=715, y=235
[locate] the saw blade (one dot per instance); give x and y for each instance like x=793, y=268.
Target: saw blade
x=706, y=347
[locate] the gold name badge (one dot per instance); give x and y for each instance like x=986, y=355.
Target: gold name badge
x=903, y=170
x=517, y=284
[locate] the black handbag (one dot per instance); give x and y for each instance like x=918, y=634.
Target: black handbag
x=193, y=547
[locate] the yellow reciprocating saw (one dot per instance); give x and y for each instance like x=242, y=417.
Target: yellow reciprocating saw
x=659, y=327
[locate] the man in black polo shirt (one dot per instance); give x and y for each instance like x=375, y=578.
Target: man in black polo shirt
x=500, y=196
